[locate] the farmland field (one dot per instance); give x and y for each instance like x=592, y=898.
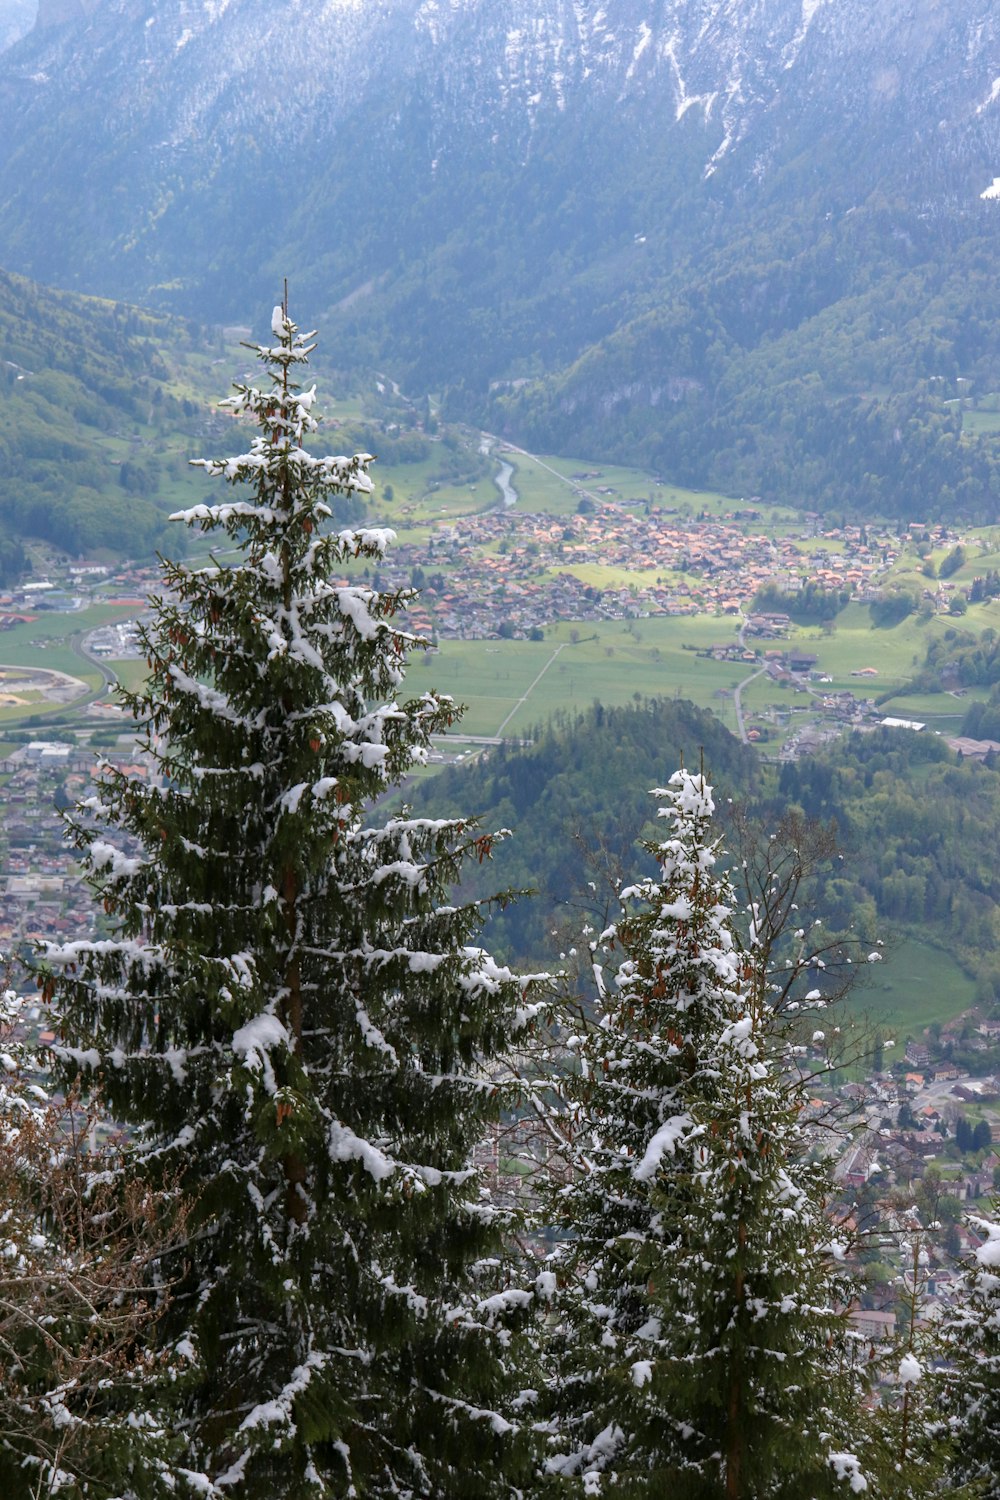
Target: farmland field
x=917, y=984
x=610, y=661
x=44, y=642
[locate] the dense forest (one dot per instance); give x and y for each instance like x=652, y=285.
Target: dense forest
x=89, y=394
x=576, y=799
x=915, y=824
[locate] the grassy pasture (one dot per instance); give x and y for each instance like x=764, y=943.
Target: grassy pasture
x=608, y=662
x=44, y=642
x=976, y=423
x=916, y=984
x=131, y=672
x=896, y=653
x=614, y=661
x=603, y=576
x=416, y=504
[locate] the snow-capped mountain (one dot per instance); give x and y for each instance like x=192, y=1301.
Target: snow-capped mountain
x=484, y=190
x=141, y=138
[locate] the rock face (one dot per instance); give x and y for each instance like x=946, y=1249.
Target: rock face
x=513, y=177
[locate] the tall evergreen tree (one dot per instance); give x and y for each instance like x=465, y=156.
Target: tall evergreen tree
x=701, y=1349
x=291, y=1014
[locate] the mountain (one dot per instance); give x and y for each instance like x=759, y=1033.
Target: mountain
x=731, y=238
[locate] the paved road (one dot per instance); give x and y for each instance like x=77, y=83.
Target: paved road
x=737, y=704
x=110, y=679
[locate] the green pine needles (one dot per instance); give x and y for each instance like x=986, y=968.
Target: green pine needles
x=701, y=1346
x=972, y=1377
x=292, y=1016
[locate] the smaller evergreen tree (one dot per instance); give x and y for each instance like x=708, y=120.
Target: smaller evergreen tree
x=700, y=1347
x=908, y=1440
x=972, y=1344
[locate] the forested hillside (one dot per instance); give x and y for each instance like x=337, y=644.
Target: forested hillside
x=811, y=369
x=916, y=825
x=92, y=396
x=577, y=803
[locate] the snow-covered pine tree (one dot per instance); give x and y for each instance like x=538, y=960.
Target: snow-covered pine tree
x=701, y=1354
x=291, y=1014
x=971, y=1345
x=907, y=1436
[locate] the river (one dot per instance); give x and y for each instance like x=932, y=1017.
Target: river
x=502, y=481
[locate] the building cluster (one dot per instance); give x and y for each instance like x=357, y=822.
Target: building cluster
x=902, y=1181
x=41, y=892
x=531, y=570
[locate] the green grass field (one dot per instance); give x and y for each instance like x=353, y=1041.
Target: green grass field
x=524, y=682
x=916, y=984
x=975, y=423
x=131, y=673
x=895, y=653
x=939, y=710
x=602, y=576
x=44, y=642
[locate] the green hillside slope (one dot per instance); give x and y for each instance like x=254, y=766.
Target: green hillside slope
x=916, y=826
x=99, y=409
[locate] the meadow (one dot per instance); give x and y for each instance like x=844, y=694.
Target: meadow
x=519, y=684
x=46, y=640
x=917, y=984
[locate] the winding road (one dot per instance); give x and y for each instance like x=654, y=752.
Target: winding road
x=60, y=710
x=737, y=704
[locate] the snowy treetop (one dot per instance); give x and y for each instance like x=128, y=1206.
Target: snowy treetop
x=988, y=1254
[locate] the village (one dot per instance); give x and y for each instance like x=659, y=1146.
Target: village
x=923, y=1156
x=510, y=574
x=42, y=894
x=507, y=570
x=913, y=1140
x=522, y=571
